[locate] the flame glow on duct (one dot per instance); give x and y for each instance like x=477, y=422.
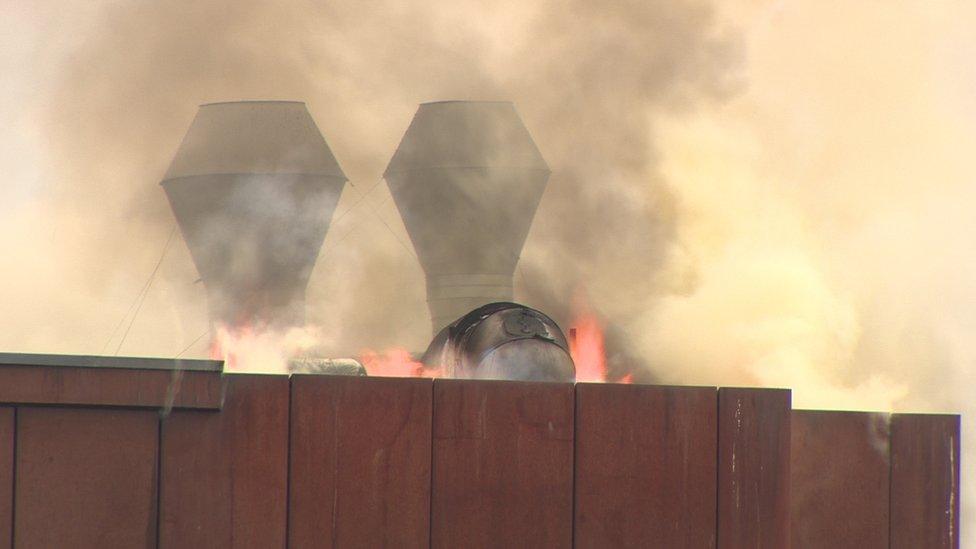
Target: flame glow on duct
x=255, y=349
x=587, y=346
x=395, y=362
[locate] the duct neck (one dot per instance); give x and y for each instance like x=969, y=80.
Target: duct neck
x=451, y=296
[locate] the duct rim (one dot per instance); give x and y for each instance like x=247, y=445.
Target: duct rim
x=470, y=101
x=256, y=174
x=467, y=167
x=290, y=101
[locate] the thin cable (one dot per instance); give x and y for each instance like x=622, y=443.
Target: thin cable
x=335, y=222
x=145, y=292
x=396, y=236
x=373, y=211
x=192, y=343
x=338, y=240
x=128, y=311
x=361, y=198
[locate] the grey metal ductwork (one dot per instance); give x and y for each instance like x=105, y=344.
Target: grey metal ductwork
x=253, y=187
x=467, y=179
x=502, y=341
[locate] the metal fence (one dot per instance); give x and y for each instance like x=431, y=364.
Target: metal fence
x=87, y=459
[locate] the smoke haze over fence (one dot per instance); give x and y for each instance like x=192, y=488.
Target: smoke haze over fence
x=750, y=193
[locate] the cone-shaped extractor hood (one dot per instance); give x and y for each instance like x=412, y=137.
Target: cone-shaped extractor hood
x=253, y=187
x=467, y=179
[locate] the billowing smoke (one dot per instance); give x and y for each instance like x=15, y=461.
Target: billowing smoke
x=770, y=194
x=126, y=93
x=826, y=214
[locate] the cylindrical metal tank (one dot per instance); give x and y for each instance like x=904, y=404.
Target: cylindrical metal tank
x=467, y=179
x=502, y=341
x=253, y=187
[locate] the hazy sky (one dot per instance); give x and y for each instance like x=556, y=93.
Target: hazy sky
x=768, y=193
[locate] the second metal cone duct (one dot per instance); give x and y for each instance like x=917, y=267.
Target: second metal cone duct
x=467, y=179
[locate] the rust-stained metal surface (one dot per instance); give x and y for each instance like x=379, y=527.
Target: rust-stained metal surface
x=753, y=468
x=224, y=474
x=360, y=462
x=502, y=472
x=924, y=481
x=7, y=416
x=110, y=387
x=86, y=478
x=645, y=466
x=839, y=470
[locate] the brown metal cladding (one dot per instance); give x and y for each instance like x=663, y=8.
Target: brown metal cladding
x=110, y=387
x=224, y=474
x=360, y=462
x=502, y=472
x=753, y=468
x=924, y=481
x=86, y=478
x=839, y=470
x=645, y=466
x=6, y=476
x=459, y=463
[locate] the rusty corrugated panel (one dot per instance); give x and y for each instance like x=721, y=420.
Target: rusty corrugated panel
x=86, y=478
x=6, y=476
x=645, y=466
x=109, y=387
x=224, y=474
x=924, y=481
x=360, y=462
x=839, y=470
x=754, y=468
x=502, y=464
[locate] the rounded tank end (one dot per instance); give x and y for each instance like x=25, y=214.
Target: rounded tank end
x=502, y=340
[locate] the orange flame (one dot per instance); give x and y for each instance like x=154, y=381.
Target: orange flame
x=586, y=344
x=586, y=348
x=226, y=344
x=395, y=362
x=257, y=349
